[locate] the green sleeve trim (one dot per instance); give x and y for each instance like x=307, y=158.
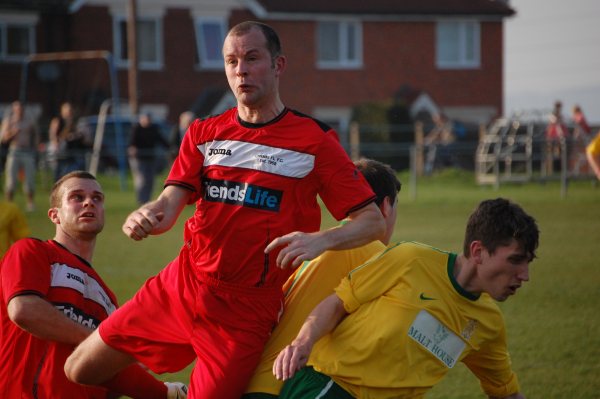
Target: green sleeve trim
x=389, y=248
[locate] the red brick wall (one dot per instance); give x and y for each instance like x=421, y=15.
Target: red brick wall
x=179, y=82
x=51, y=35
x=394, y=54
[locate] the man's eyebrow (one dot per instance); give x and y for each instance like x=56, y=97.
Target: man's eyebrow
x=519, y=256
x=251, y=51
x=80, y=190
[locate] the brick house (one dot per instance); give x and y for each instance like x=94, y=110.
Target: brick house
x=446, y=54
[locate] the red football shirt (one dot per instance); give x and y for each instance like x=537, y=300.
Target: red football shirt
x=32, y=367
x=253, y=183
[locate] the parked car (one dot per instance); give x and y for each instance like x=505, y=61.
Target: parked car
x=109, y=153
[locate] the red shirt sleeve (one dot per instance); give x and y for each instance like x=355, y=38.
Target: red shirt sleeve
x=344, y=189
x=25, y=269
x=187, y=167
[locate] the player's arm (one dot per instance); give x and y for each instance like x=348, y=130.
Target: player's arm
x=157, y=216
x=53, y=130
x=322, y=320
x=363, y=226
x=513, y=396
x=39, y=318
x=8, y=132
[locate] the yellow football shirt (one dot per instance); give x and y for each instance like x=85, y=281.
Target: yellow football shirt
x=310, y=284
x=13, y=225
x=409, y=324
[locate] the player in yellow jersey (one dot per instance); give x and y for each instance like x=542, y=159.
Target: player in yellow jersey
x=592, y=152
x=397, y=324
x=13, y=225
x=313, y=281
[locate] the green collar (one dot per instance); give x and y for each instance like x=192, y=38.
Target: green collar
x=451, y=262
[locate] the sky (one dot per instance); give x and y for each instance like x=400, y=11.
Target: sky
x=552, y=52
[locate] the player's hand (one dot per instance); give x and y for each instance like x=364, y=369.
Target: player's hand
x=297, y=248
x=176, y=390
x=141, y=223
x=291, y=359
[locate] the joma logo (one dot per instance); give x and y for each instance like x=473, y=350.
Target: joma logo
x=72, y=276
x=218, y=151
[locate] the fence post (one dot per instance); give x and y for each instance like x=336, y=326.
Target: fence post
x=413, y=171
x=418, y=149
x=482, y=131
x=354, y=134
x=564, y=173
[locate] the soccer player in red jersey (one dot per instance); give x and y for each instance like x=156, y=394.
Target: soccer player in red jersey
x=254, y=173
x=51, y=299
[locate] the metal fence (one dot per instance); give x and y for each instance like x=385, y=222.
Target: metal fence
x=518, y=154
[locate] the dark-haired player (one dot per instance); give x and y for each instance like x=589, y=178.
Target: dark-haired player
x=397, y=324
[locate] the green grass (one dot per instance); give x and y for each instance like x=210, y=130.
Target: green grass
x=553, y=323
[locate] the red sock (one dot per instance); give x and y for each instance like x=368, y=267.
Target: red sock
x=137, y=383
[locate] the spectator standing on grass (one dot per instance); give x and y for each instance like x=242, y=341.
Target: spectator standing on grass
x=176, y=137
x=556, y=133
x=582, y=135
x=145, y=137
x=21, y=136
x=439, y=143
x=51, y=299
x=396, y=325
x=316, y=280
x=581, y=129
x=13, y=225
x=67, y=144
x=254, y=173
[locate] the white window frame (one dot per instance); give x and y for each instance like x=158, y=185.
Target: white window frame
x=343, y=62
x=204, y=60
x=462, y=61
x=156, y=64
x=4, y=54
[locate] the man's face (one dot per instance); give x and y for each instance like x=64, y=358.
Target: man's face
x=251, y=72
x=503, y=272
x=145, y=121
x=81, y=211
x=17, y=110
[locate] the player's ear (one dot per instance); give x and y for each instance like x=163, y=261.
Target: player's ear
x=386, y=206
x=279, y=64
x=476, y=250
x=53, y=215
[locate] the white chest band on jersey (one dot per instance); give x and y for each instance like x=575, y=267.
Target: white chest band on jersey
x=253, y=156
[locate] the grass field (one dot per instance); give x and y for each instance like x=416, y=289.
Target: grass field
x=553, y=323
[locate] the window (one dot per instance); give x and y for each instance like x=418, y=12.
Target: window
x=457, y=44
x=149, y=46
x=16, y=41
x=339, y=44
x=210, y=34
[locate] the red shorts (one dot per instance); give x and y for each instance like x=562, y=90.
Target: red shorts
x=178, y=316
